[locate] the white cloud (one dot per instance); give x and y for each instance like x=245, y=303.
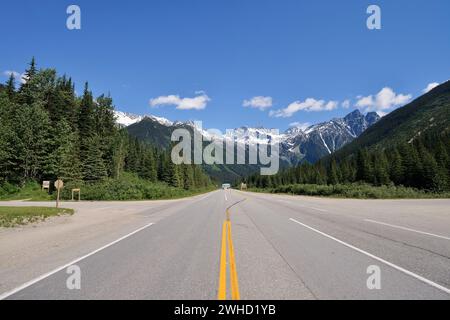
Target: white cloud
x=261, y=103
x=18, y=76
x=8, y=73
x=345, y=104
x=430, y=87
x=309, y=105
x=383, y=100
x=301, y=125
x=196, y=103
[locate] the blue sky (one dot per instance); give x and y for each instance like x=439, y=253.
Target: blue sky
x=310, y=55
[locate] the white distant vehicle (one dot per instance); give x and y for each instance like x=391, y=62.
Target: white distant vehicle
x=226, y=186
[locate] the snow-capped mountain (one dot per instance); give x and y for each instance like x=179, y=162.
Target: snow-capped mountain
x=297, y=144
x=126, y=119
x=324, y=138
x=255, y=135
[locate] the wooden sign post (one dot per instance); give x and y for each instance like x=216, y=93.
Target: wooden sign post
x=79, y=193
x=59, y=184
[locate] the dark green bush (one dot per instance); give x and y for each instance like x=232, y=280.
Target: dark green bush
x=361, y=191
x=127, y=187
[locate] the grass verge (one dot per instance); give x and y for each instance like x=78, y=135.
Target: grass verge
x=30, y=191
x=14, y=216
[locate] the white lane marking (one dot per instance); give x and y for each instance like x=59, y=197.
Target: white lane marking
x=322, y=210
x=412, y=274
x=226, y=199
x=48, y=274
x=407, y=229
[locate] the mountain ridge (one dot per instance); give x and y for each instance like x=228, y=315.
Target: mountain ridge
x=297, y=145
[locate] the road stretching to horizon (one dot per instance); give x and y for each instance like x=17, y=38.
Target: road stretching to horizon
x=229, y=244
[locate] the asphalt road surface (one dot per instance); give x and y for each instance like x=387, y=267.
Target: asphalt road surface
x=238, y=245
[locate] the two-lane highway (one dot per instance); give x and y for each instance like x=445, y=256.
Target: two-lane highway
x=240, y=245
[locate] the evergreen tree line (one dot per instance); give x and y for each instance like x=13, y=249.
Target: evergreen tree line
x=47, y=132
x=422, y=164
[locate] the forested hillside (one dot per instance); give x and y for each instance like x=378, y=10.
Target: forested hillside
x=151, y=131
x=428, y=114
x=48, y=132
x=423, y=164
x=409, y=147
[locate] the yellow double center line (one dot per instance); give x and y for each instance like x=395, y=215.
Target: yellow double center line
x=227, y=241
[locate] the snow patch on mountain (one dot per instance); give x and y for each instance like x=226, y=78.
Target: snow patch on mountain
x=127, y=119
x=297, y=144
